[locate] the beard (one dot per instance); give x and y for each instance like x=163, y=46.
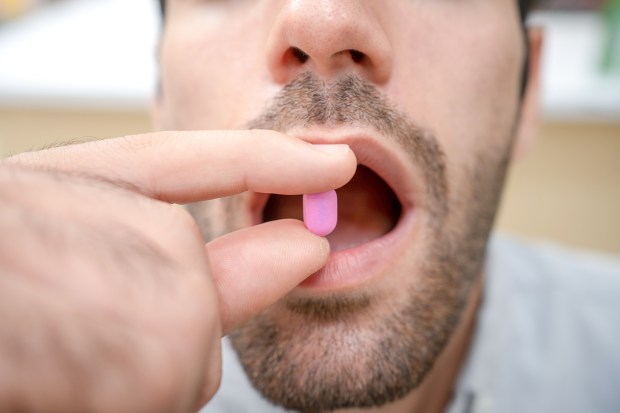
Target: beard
x=371, y=348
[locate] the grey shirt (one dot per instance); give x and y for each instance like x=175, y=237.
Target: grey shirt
x=547, y=338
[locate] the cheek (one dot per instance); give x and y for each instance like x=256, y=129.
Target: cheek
x=206, y=82
x=465, y=91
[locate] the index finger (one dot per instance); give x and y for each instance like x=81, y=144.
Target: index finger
x=186, y=167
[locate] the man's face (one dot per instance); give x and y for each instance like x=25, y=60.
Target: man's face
x=427, y=95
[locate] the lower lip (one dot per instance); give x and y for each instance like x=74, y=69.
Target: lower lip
x=353, y=268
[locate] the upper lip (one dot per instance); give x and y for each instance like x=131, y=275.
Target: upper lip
x=372, y=151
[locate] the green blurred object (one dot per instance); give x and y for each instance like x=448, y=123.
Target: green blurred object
x=611, y=51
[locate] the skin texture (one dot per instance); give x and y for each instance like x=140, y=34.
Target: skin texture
x=374, y=345
x=447, y=103
x=123, y=307
x=112, y=299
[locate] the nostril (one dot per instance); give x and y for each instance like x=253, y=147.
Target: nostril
x=300, y=55
x=356, y=55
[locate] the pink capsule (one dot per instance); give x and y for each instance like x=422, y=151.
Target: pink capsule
x=321, y=212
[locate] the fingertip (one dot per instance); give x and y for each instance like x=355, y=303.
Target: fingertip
x=343, y=159
x=254, y=267
x=310, y=167
x=324, y=249
x=313, y=249
x=339, y=149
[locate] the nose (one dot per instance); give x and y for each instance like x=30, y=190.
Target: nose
x=329, y=37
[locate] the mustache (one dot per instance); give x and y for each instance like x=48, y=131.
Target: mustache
x=349, y=100
x=308, y=101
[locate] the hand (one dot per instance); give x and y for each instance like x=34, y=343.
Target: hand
x=109, y=300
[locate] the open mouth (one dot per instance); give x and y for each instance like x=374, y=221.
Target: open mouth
x=368, y=209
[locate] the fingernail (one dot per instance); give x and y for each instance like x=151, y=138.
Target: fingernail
x=334, y=149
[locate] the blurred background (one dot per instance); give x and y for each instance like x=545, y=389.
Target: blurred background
x=85, y=69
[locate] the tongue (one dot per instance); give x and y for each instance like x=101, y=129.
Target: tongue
x=367, y=209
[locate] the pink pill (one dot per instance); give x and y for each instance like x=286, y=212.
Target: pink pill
x=321, y=212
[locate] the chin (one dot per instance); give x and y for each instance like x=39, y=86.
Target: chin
x=366, y=329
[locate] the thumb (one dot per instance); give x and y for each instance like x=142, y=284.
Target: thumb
x=254, y=267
